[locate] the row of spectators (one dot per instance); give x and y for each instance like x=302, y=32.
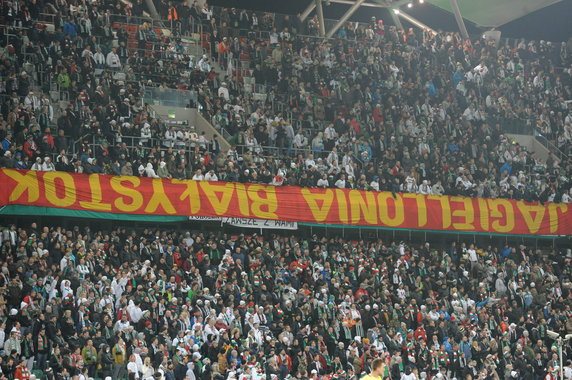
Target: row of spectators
x=391, y=111
x=161, y=304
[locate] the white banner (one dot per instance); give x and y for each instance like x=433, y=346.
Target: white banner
x=261, y=223
x=206, y=218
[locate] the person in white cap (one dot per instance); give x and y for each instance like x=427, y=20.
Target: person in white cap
x=38, y=166
x=204, y=64
x=223, y=91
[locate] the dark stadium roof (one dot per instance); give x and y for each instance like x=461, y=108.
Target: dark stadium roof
x=531, y=19
x=494, y=13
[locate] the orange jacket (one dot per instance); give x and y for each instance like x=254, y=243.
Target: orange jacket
x=173, y=15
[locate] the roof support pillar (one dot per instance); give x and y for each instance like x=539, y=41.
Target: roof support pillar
x=395, y=19
x=459, y=19
x=320, y=12
x=304, y=15
x=344, y=18
x=415, y=22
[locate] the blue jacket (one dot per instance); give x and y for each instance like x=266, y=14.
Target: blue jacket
x=506, y=166
x=70, y=29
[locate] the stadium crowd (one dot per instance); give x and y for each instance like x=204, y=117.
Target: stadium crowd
x=373, y=109
x=162, y=304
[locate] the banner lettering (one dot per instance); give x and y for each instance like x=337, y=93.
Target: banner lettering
x=154, y=196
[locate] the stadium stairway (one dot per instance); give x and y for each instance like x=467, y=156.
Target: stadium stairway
x=180, y=117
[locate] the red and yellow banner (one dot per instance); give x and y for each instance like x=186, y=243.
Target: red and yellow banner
x=153, y=196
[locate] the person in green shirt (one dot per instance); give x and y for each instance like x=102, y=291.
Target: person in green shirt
x=63, y=79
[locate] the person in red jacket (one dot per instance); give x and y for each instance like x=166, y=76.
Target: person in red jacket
x=30, y=147
x=22, y=372
x=362, y=291
x=50, y=138
x=420, y=333
x=285, y=360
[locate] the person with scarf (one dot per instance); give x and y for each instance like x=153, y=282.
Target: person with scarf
x=89, y=355
x=119, y=352
x=27, y=350
x=56, y=360
x=42, y=348
x=22, y=372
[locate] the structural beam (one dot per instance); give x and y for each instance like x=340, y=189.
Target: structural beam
x=396, y=19
x=398, y=3
x=345, y=17
x=304, y=15
x=414, y=21
x=459, y=18
x=320, y=12
x=350, y=2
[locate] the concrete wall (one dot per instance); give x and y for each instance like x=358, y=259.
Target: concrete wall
x=533, y=145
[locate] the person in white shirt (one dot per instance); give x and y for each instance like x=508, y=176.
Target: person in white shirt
x=469, y=113
x=330, y=135
x=310, y=161
x=425, y=188
x=150, y=172
x=87, y=53
x=122, y=324
x=223, y=91
x=300, y=141
x=2, y=335
x=198, y=175
x=148, y=371
x=410, y=184
x=204, y=65
x=82, y=269
x=341, y=182
x=211, y=176
x=48, y=165
x=332, y=157
x=112, y=60
x=135, y=312
x=323, y=182
x=251, y=142
x=193, y=137
x=37, y=165
x=182, y=139
x=132, y=369
x=99, y=59
x=473, y=258
x=170, y=138
x=145, y=133
x=348, y=158
x=32, y=100
x=207, y=12
x=203, y=141
x=274, y=37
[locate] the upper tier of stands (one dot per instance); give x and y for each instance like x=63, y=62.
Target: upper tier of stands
x=373, y=108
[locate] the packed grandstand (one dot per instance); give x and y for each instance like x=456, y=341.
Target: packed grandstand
x=299, y=129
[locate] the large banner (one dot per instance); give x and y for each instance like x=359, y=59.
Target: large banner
x=154, y=196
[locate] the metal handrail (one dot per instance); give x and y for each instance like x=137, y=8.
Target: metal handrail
x=308, y=149
x=549, y=145
x=132, y=142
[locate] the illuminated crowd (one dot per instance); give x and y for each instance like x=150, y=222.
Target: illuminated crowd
x=155, y=303
x=373, y=109
x=378, y=110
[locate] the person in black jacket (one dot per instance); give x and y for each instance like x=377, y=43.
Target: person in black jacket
x=106, y=361
x=181, y=368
